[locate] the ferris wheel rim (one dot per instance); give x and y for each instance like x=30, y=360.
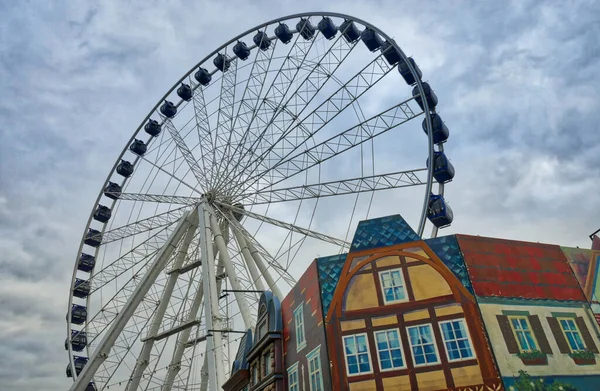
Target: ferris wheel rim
x=426, y=110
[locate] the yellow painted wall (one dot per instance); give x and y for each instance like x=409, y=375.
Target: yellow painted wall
x=431, y=381
x=352, y=324
x=416, y=315
x=361, y=293
x=396, y=383
x=388, y=261
x=427, y=282
x=367, y=385
x=448, y=310
x=384, y=320
x=467, y=376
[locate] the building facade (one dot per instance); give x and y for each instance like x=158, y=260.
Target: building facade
x=453, y=313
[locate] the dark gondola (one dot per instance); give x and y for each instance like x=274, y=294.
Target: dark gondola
x=327, y=27
x=86, y=262
x=391, y=54
x=262, y=40
x=78, y=314
x=125, y=168
x=431, y=97
x=283, y=33
x=81, y=288
x=203, y=76
x=443, y=170
x=439, y=213
x=78, y=341
x=93, y=238
x=371, y=39
x=407, y=74
x=440, y=131
x=152, y=128
x=168, y=109
x=241, y=50
x=113, y=190
x=350, y=31
x=102, y=213
x=184, y=91
x=306, y=29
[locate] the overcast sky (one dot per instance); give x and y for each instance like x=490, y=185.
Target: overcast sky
x=519, y=82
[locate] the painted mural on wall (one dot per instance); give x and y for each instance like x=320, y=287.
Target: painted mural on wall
x=305, y=346
x=535, y=313
x=399, y=318
x=453, y=313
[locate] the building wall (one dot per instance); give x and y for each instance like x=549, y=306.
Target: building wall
x=306, y=295
x=433, y=295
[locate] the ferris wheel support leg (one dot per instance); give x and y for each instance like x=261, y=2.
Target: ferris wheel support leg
x=105, y=346
x=144, y=356
x=230, y=270
x=214, y=323
x=254, y=273
x=264, y=270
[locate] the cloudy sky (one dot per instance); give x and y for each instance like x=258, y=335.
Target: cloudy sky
x=519, y=82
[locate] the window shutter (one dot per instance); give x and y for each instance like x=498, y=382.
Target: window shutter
x=507, y=333
x=587, y=337
x=540, y=336
x=563, y=345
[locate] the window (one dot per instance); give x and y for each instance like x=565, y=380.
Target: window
x=392, y=286
x=572, y=333
x=293, y=383
x=523, y=333
x=314, y=369
x=299, y=322
x=456, y=340
x=255, y=373
x=262, y=329
x=356, y=350
x=389, y=350
x=422, y=345
x=267, y=363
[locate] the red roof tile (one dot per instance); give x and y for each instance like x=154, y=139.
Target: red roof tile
x=508, y=268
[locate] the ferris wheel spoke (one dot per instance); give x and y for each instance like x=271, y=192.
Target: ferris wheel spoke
x=262, y=116
x=181, y=181
x=295, y=134
x=345, y=140
x=187, y=153
x=319, y=73
x=159, y=198
x=224, y=115
x=247, y=105
x=349, y=186
x=288, y=226
x=202, y=126
x=144, y=225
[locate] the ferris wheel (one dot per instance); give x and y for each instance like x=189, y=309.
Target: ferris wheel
x=262, y=157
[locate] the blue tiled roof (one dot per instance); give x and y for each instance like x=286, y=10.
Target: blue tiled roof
x=383, y=231
x=447, y=249
x=329, y=269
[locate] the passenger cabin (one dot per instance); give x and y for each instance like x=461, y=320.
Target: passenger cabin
x=222, y=62
x=125, y=168
x=439, y=213
x=390, y=53
x=203, y=76
x=93, y=237
x=405, y=72
x=327, y=27
x=283, y=33
x=241, y=50
x=168, y=109
x=78, y=341
x=152, y=128
x=443, y=170
x=138, y=147
x=81, y=288
x=306, y=29
x=185, y=92
x=432, y=99
x=78, y=314
x=371, y=39
x=349, y=31
x=91, y=387
x=440, y=131
x=86, y=263
x=102, y=213
x=79, y=363
x=113, y=191
x=262, y=40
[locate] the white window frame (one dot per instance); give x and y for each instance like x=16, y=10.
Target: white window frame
x=346, y=355
x=315, y=354
x=299, y=314
x=293, y=369
x=389, y=350
x=437, y=353
x=385, y=301
x=462, y=320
